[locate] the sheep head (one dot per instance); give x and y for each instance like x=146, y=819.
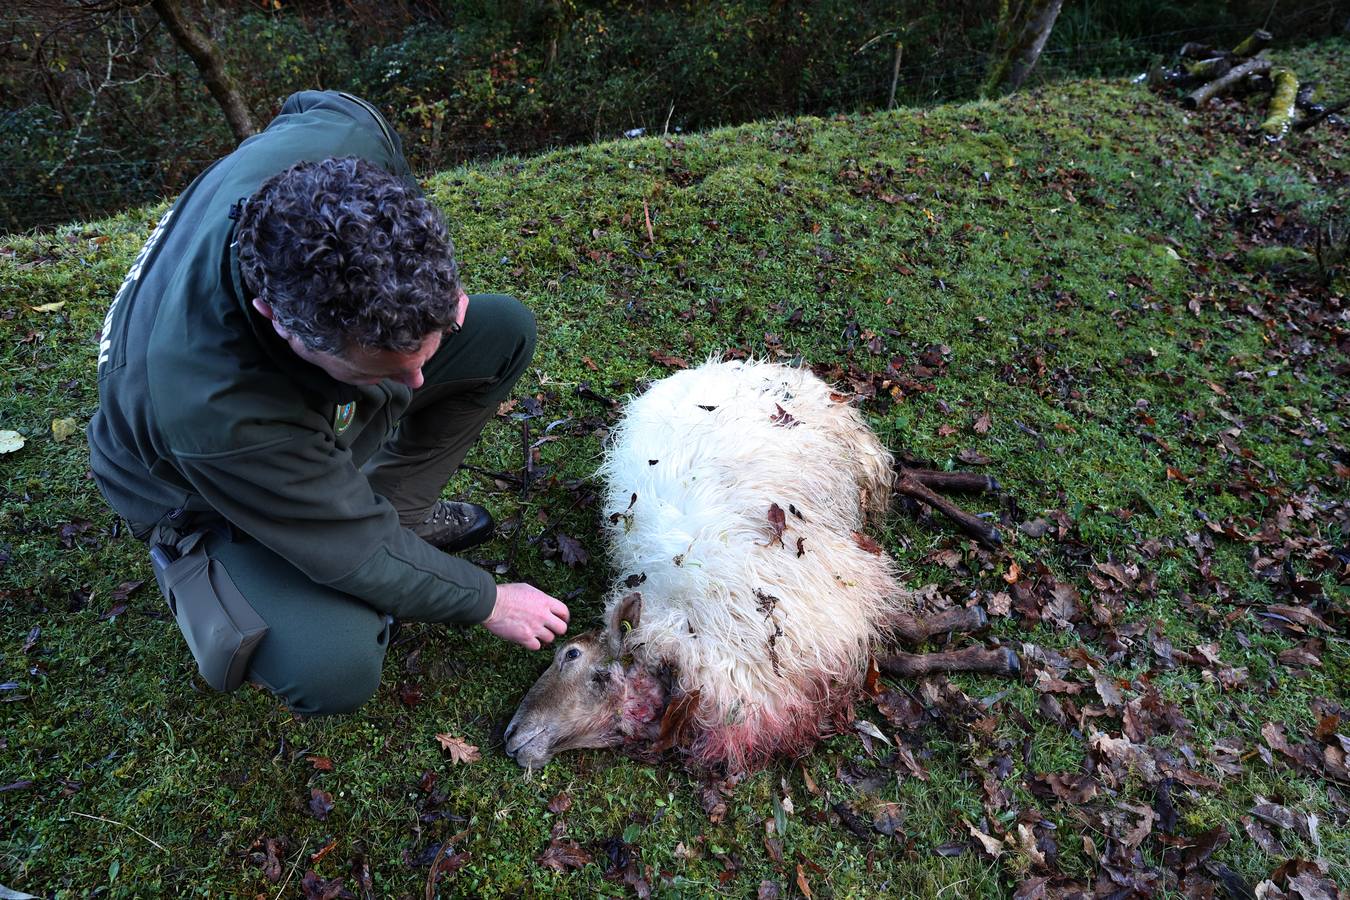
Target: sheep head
x=594, y=694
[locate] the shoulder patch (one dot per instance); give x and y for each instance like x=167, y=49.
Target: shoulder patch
x=343, y=415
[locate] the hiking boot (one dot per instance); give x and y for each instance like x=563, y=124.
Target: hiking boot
x=453, y=526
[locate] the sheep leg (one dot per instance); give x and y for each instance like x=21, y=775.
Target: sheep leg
x=971, y=525
x=953, y=481
x=1000, y=661
x=915, y=629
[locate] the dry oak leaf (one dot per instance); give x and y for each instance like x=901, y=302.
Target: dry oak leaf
x=571, y=551
x=563, y=854
x=461, y=751
x=10, y=441
x=1000, y=604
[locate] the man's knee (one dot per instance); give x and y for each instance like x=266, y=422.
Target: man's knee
x=340, y=679
x=516, y=323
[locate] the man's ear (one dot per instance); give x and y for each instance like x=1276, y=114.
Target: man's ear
x=265, y=310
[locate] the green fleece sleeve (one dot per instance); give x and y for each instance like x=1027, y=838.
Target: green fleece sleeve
x=301, y=496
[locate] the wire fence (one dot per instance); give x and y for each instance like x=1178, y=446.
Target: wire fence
x=102, y=186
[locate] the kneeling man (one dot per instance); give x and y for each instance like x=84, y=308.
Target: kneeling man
x=287, y=378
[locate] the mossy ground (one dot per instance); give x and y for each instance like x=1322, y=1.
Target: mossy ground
x=1078, y=251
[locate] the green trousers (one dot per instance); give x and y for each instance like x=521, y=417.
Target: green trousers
x=324, y=650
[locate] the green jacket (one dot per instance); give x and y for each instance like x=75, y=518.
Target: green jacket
x=204, y=411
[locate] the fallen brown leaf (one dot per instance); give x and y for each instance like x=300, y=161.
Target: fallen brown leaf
x=777, y=522
x=866, y=543
x=461, y=751
x=563, y=854
x=802, y=884
x=992, y=845
x=320, y=803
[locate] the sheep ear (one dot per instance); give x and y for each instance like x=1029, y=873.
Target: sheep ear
x=628, y=614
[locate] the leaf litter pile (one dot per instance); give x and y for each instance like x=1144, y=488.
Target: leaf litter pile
x=1164, y=403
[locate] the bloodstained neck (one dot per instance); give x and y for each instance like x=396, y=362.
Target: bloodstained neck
x=644, y=702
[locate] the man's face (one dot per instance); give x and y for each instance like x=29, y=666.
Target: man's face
x=359, y=365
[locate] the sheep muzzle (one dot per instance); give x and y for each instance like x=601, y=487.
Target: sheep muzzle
x=575, y=703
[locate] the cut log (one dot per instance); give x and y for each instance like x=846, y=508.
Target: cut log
x=1000, y=661
x=1206, y=70
x=1257, y=84
x=1281, y=110
x=1255, y=42
x=1306, y=98
x=1326, y=112
x=1193, y=50
x=1200, y=96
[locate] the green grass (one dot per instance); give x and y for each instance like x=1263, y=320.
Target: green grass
x=1059, y=282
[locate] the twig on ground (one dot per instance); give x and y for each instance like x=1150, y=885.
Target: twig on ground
x=299, y=856
x=126, y=826
x=440, y=851
x=525, y=449
x=499, y=476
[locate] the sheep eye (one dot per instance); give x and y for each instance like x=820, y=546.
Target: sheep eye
x=572, y=654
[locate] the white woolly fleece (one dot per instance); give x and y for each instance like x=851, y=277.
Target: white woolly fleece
x=771, y=633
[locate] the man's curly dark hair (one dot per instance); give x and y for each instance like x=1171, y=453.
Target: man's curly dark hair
x=345, y=253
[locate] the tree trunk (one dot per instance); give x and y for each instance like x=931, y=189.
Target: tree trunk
x=1022, y=35
x=208, y=62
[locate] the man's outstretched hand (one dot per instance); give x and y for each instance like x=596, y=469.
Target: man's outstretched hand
x=527, y=616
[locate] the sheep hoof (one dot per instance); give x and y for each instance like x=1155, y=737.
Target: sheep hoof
x=981, y=618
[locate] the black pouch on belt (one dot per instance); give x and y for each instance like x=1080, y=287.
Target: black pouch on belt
x=221, y=629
